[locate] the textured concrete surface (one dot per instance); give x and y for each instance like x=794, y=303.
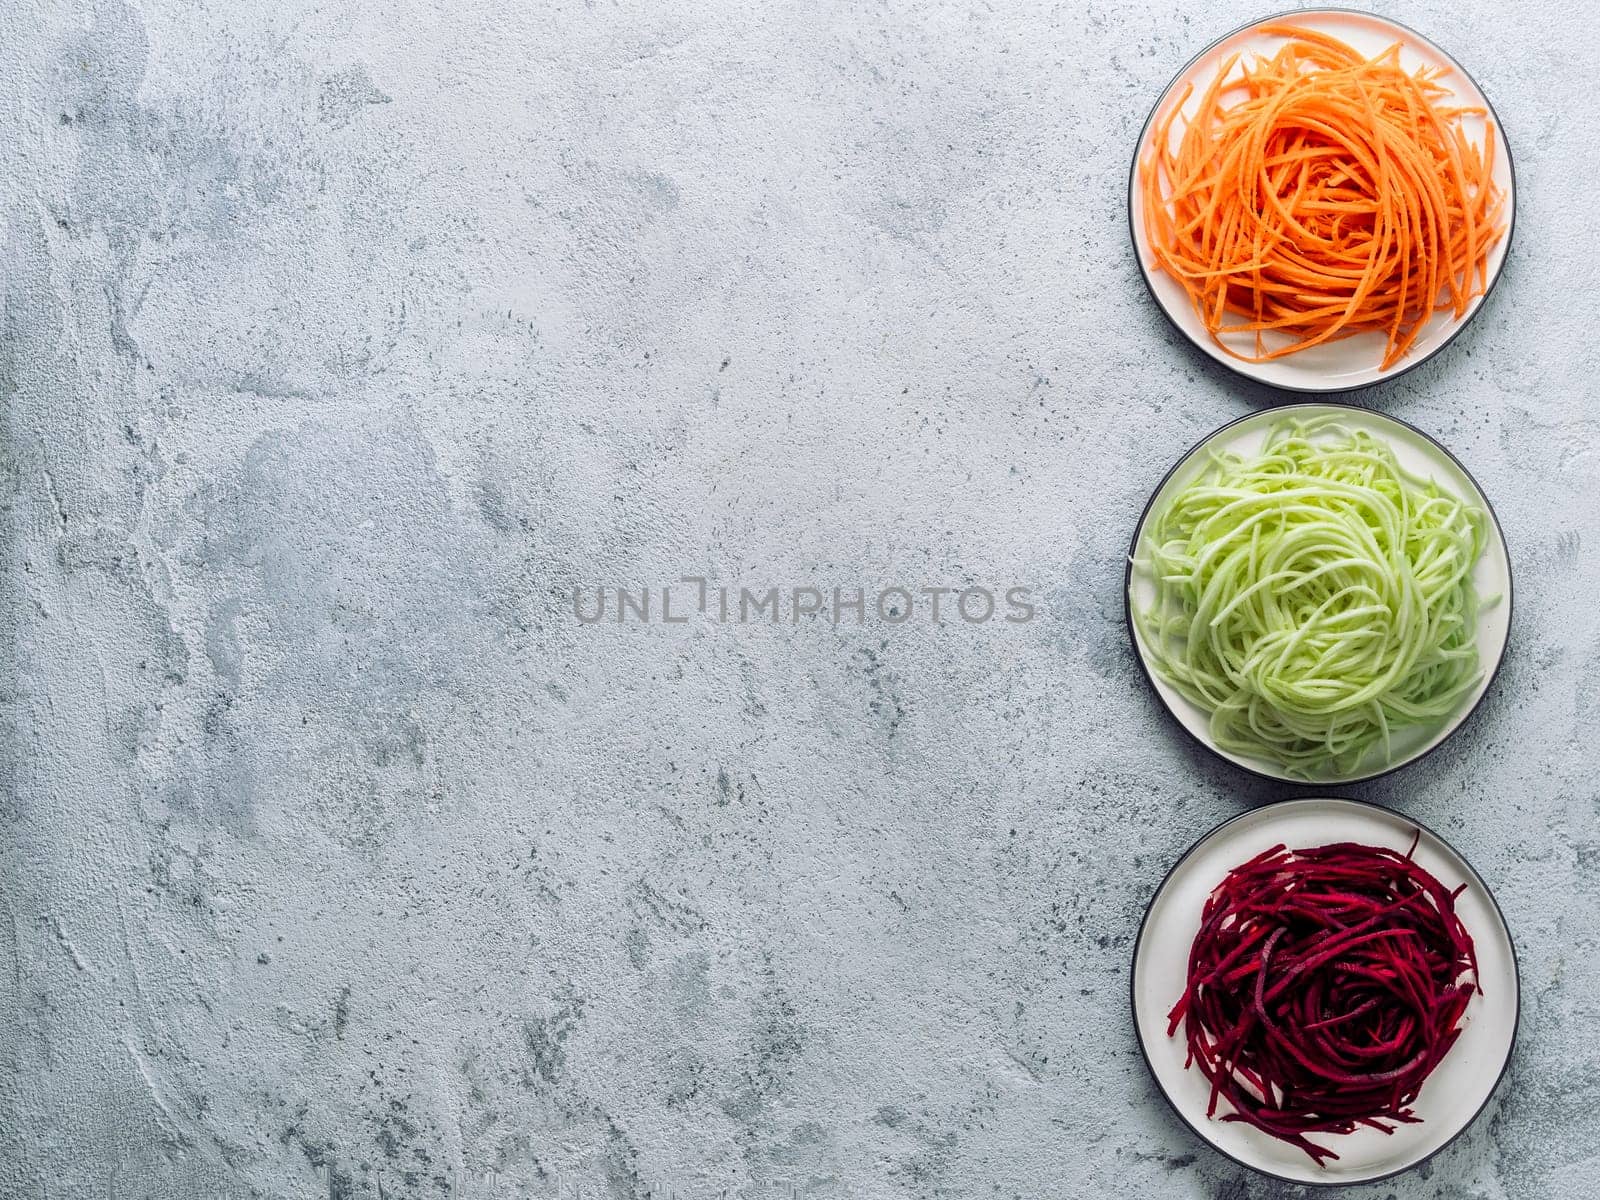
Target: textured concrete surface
x=344, y=342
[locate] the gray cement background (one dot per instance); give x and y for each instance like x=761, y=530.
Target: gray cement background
x=342, y=341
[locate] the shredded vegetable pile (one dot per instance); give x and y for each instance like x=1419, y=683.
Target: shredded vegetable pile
x=1324, y=987
x=1319, y=193
x=1313, y=598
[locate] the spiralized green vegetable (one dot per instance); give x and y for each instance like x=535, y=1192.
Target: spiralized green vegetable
x=1314, y=598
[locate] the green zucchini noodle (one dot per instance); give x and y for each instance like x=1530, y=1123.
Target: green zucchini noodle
x=1314, y=598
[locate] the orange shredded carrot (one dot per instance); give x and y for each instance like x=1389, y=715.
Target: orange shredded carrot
x=1319, y=194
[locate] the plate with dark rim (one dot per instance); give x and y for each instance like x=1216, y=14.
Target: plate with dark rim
x=1353, y=362
x=1454, y=1094
x=1417, y=452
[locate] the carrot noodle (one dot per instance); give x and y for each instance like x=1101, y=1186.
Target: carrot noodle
x=1314, y=598
x=1318, y=194
x=1324, y=986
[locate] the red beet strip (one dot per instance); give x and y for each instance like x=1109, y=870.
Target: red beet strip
x=1324, y=987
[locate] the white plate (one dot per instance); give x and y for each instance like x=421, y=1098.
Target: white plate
x=1418, y=453
x=1352, y=362
x=1459, y=1087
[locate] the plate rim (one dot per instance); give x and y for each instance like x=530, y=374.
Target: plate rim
x=1144, y=1053
x=1205, y=743
x=1227, y=361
